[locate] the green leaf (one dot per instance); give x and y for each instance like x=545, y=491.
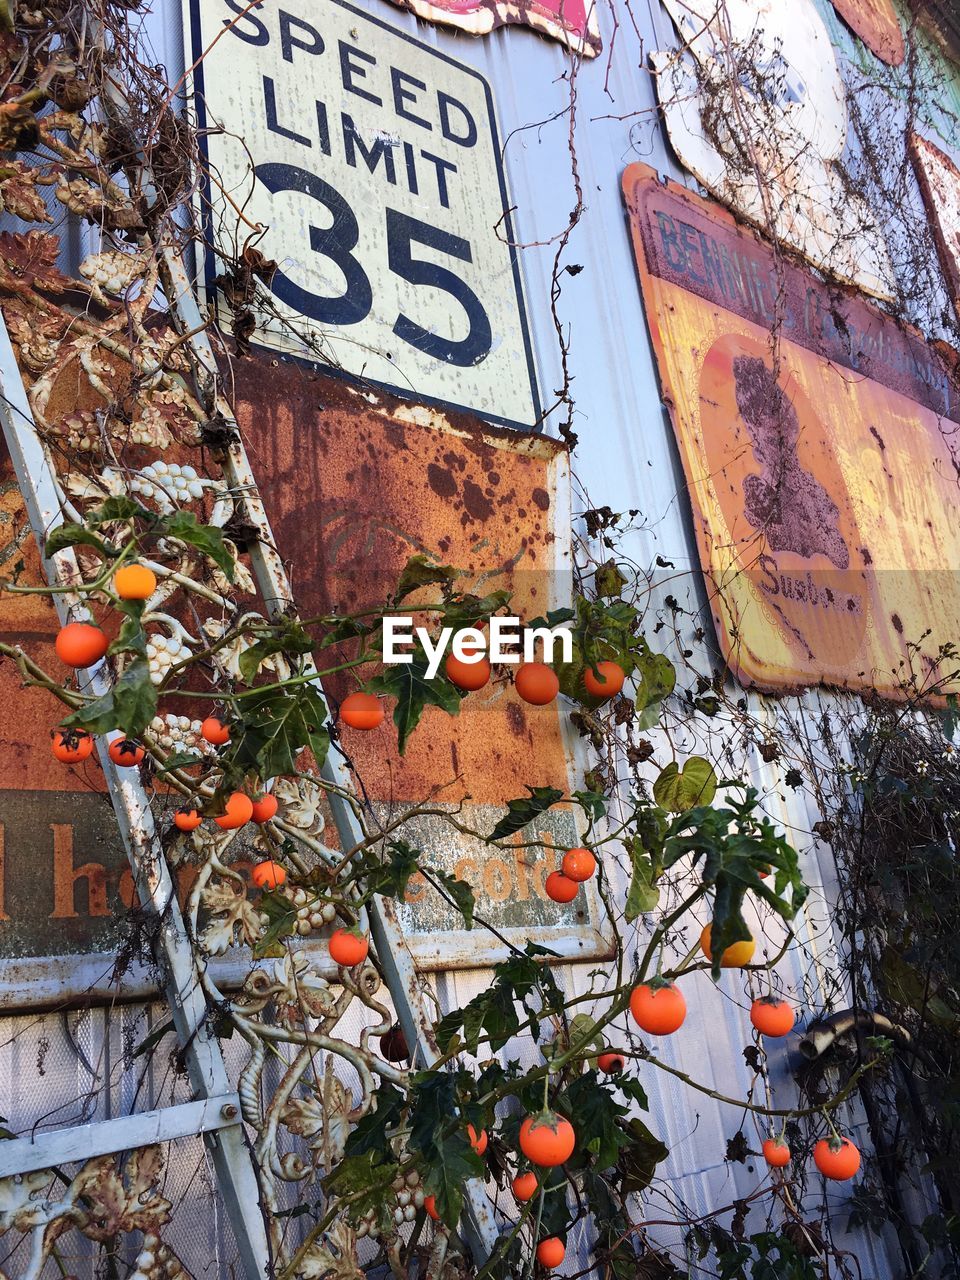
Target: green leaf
x=459, y=891
x=633, y=1089
x=370, y=1131
x=72, y=535
x=408, y=683
x=389, y=875
x=638, y=1161
x=593, y=803
x=282, y=917
x=656, y=674
x=132, y=637
x=116, y=508
x=274, y=726
x=205, y=537
x=290, y=640
x=421, y=571
x=441, y=1139
x=129, y=705
x=363, y=1176
x=679, y=790
x=524, y=810
x=643, y=894
x=597, y=1116
x=608, y=580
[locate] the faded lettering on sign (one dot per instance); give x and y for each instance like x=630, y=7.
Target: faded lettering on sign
x=822, y=475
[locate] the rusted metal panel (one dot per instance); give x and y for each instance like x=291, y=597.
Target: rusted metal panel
x=354, y=488
x=821, y=469
x=939, y=180
x=761, y=81
x=877, y=25
x=572, y=22
x=358, y=175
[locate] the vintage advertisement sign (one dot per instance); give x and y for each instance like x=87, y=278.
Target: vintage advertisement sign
x=371, y=163
x=788, y=114
x=572, y=22
x=939, y=180
x=821, y=468
x=352, y=490
x=877, y=25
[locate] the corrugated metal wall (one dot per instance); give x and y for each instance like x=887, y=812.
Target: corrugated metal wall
x=626, y=459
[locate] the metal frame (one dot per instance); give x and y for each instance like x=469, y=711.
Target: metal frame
x=205, y=1065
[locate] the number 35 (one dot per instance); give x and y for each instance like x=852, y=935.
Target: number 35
x=353, y=305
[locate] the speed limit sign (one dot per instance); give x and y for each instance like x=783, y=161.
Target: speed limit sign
x=366, y=165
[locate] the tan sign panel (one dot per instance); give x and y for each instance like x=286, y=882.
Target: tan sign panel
x=373, y=163
x=821, y=470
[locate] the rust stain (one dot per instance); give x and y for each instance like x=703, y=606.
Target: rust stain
x=827, y=513
x=353, y=488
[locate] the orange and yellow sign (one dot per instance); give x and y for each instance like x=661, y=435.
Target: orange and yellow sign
x=820, y=445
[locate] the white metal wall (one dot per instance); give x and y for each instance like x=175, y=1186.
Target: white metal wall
x=626, y=459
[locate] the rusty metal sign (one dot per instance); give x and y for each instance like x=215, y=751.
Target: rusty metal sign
x=572, y=22
x=759, y=79
x=821, y=468
x=372, y=165
x=877, y=25
x=939, y=180
x=352, y=490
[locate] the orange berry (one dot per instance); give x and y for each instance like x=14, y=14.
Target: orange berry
x=772, y=1017
x=214, y=732
x=578, y=864
x=134, y=582
x=79, y=644
x=560, y=887
x=479, y=1144
x=547, y=1139
x=361, y=711
x=611, y=1063
x=551, y=1252
x=658, y=1010
x=348, y=948
x=536, y=683
x=467, y=675
x=71, y=746
x=187, y=820
x=736, y=955
x=125, y=752
x=609, y=682
x=265, y=808
x=836, y=1162
x=776, y=1153
x=525, y=1186
x=268, y=875
x=239, y=811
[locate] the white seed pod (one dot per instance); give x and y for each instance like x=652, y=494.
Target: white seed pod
x=409, y=1213
x=146, y=1260
x=361, y=1230
x=328, y=913
x=303, y=928
x=398, y=1216
x=316, y=919
x=413, y=1177
x=403, y=1199
x=418, y=1198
